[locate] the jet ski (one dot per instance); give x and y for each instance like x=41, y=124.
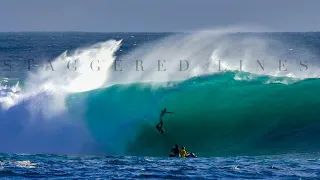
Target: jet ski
x=191, y=155
x=172, y=155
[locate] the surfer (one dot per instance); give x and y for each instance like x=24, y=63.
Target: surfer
x=159, y=125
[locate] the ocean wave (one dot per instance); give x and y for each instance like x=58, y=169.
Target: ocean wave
x=234, y=111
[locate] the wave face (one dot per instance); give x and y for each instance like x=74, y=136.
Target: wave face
x=234, y=112
x=213, y=115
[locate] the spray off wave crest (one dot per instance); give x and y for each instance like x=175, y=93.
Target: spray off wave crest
x=213, y=109
x=72, y=107
x=36, y=117
x=210, y=52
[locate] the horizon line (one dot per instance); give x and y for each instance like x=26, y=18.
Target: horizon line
x=79, y=31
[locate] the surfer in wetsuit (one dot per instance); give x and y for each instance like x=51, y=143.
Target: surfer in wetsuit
x=159, y=125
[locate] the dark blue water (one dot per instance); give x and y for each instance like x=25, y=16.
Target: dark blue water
x=104, y=167
x=100, y=148
x=38, y=47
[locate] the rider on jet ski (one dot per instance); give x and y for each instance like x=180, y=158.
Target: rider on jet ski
x=183, y=152
x=176, y=151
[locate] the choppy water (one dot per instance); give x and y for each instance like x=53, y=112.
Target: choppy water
x=127, y=167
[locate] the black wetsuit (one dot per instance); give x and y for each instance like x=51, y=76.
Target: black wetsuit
x=175, y=150
x=159, y=125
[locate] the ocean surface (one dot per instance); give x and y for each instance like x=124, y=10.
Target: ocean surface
x=78, y=105
x=129, y=167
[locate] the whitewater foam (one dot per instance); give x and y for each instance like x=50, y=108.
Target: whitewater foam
x=40, y=117
x=36, y=117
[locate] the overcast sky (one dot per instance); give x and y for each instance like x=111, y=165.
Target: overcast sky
x=156, y=15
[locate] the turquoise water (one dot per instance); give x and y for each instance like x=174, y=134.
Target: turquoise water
x=241, y=124
x=213, y=116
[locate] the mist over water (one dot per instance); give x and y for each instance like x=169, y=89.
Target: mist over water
x=208, y=52
x=37, y=118
x=115, y=112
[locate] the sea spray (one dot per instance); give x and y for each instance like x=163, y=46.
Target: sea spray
x=213, y=109
x=59, y=111
x=37, y=119
x=209, y=52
